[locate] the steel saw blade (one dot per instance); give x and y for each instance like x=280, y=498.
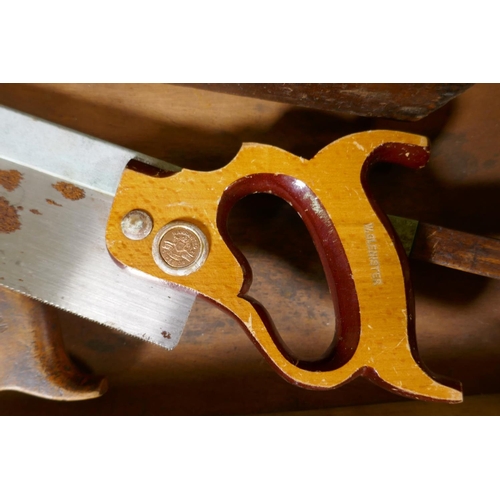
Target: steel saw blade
x=56, y=191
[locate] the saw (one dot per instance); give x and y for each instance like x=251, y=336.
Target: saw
x=130, y=241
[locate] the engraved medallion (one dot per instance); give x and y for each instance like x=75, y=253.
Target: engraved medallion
x=180, y=248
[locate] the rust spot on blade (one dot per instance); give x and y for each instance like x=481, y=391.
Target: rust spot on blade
x=52, y=202
x=10, y=179
x=35, y=211
x=166, y=335
x=9, y=218
x=69, y=191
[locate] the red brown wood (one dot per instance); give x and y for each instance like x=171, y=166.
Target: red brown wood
x=458, y=250
x=401, y=101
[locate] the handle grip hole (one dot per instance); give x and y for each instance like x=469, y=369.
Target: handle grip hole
x=288, y=277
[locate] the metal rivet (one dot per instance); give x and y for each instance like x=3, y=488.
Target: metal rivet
x=180, y=248
x=137, y=224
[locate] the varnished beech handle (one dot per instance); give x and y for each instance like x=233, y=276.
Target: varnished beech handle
x=364, y=263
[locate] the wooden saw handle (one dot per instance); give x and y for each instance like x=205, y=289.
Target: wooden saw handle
x=365, y=266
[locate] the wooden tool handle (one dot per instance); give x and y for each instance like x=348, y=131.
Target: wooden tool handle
x=400, y=101
x=364, y=263
x=32, y=355
x=463, y=251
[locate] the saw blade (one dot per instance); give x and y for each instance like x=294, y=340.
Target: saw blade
x=56, y=191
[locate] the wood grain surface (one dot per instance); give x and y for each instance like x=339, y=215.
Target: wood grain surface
x=216, y=369
x=401, y=101
x=458, y=250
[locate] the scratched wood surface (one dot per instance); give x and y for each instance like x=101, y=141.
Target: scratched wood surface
x=216, y=369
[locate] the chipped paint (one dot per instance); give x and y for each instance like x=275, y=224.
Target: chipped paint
x=358, y=145
x=248, y=323
x=316, y=205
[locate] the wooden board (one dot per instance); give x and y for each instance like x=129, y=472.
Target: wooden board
x=400, y=101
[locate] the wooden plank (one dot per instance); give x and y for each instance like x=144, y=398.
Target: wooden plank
x=400, y=101
x=485, y=404
x=458, y=250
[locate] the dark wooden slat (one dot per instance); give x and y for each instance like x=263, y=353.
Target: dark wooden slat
x=400, y=101
x=458, y=250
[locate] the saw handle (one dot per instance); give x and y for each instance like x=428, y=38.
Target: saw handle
x=331, y=253
x=365, y=265
x=370, y=285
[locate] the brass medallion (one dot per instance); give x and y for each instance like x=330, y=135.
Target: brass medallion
x=180, y=248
